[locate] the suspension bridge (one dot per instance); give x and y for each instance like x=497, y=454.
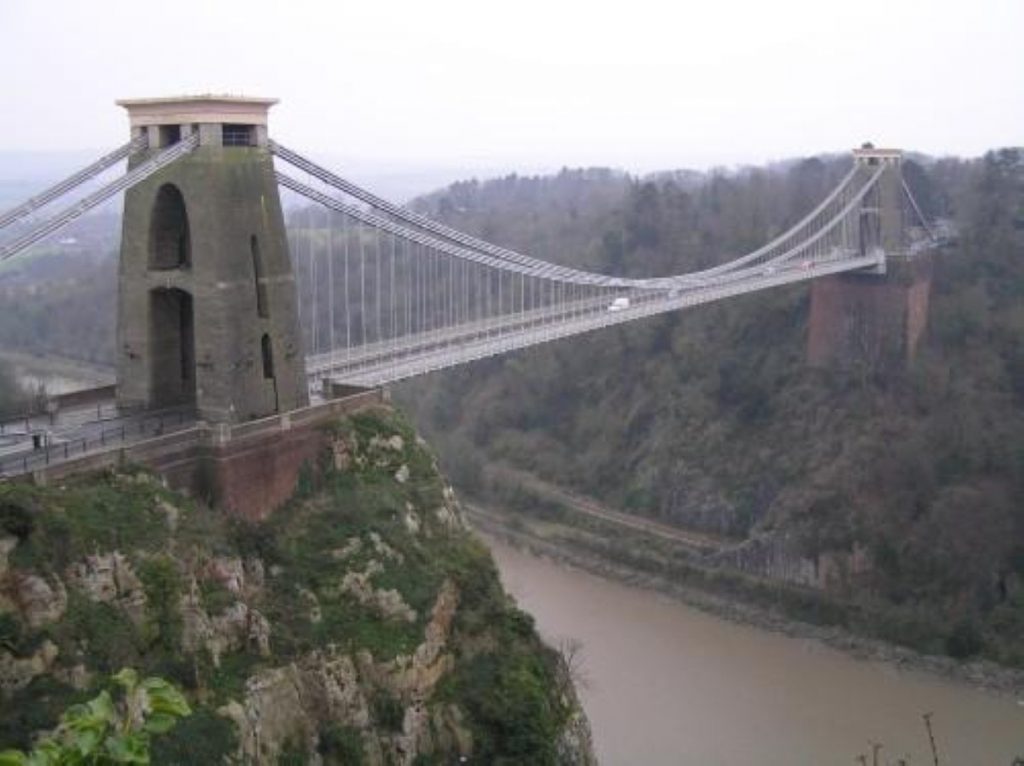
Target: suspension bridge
x=211, y=316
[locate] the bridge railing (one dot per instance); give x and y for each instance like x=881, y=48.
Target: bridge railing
x=314, y=413
x=128, y=431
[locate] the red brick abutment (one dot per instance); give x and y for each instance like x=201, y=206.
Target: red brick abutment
x=869, y=320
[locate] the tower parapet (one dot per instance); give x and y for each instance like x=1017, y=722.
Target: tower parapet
x=219, y=120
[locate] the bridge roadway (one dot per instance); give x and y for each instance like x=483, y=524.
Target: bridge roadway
x=419, y=353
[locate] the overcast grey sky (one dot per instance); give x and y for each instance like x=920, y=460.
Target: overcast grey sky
x=532, y=83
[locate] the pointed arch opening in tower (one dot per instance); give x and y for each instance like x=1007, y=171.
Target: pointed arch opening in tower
x=170, y=242
x=267, y=352
x=172, y=348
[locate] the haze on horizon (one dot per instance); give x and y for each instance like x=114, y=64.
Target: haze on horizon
x=533, y=85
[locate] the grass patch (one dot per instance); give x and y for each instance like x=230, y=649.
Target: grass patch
x=100, y=513
x=355, y=627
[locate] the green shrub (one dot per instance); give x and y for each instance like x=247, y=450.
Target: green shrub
x=37, y=707
x=162, y=583
x=215, y=596
x=100, y=630
x=16, y=519
x=10, y=631
x=964, y=640
x=202, y=738
x=292, y=754
x=387, y=712
x=105, y=731
x=512, y=713
x=341, y=746
x=254, y=539
x=227, y=681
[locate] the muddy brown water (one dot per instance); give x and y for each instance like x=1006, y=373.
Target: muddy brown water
x=668, y=684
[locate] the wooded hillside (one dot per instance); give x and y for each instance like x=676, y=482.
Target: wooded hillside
x=711, y=418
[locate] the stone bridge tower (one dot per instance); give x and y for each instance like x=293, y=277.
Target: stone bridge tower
x=873, y=320
x=207, y=300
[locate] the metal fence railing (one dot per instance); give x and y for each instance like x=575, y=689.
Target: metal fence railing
x=138, y=430
x=126, y=431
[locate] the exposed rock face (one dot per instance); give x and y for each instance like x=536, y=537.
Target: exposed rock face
x=309, y=598
x=576, y=743
x=341, y=455
x=394, y=443
x=776, y=556
x=237, y=627
x=110, y=579
x=388, y=602
x=384, y=550
x=771, y=556
x=38, y=601
x=171, y=514
x=289, y=703
x=449, y=514
x=350, y=549
x=411, y=520
x=77, y=676
x=228, y=571
x=575, y=746
x=18, y=672
x=414, y=676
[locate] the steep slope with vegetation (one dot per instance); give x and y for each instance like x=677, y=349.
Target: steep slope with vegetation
x=711, y=418
x=361, y=623
x=61, y=296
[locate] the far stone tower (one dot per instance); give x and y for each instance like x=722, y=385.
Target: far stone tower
x=868, y=319
x=207, y=303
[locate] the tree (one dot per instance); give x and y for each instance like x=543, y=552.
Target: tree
x=102, y=732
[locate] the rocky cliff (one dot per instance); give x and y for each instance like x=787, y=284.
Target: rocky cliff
x=362, y=623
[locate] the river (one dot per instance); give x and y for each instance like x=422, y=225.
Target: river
x=669, y=685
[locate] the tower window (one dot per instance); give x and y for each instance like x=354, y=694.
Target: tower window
x=268, y=357
x=257, y=272
x=169, y=135
x=239, y=135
